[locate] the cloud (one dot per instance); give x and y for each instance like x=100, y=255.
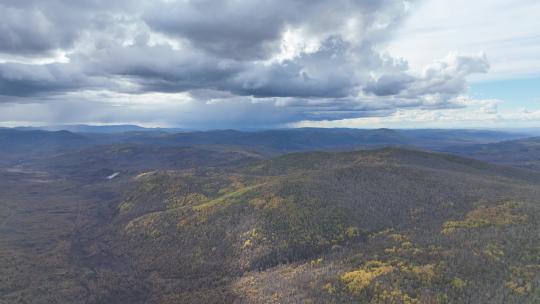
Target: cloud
x=29, y=31
x=39, y=28
x=220, y=64
x=445, y=78
x=247, y=30
x=473, y=113
x=27, y=80
x=506, y=31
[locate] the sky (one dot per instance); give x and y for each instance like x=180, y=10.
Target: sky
x=204, y=64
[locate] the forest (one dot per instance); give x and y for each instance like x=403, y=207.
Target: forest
x=150, y=222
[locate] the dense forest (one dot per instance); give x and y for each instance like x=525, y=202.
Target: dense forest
x=147, y=223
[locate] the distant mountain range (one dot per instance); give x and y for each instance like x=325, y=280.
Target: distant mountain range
x=275, y=141
x=122, y=128
x=96, y=129
x=493, y=146
x=135, y=150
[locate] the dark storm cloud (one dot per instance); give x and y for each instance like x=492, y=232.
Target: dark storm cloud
x=326, y=73
x=34, y=27
x=27, y=80
x=294, y=60
x=163, y=69
x=241, y=29
x=249, y=30
x=388, y=85
x=29, y=31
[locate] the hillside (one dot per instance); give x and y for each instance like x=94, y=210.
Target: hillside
x=382, y=226
x=101, y=161
x=16, y=145
x=524, y=153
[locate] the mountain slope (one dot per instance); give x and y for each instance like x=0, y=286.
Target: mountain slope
x=523, y=153
x=17, y=145
x=385, y=226
x=101, y=161
x=215, y=224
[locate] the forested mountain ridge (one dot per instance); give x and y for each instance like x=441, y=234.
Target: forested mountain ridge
x=524, y=153
x=222, y=223
x=382, y=226
x=23, y=143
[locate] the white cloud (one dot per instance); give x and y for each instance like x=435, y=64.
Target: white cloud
x=473, y=114
x=508, y=31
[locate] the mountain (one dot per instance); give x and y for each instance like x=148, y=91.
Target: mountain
x=17, y=145
x=105, y=129
x=13, y=140
x=523, y=153
x=388, y=225
x=437, y=138
x=25, y=143
x=307, y=139
x=101, y=161
x=530, y=131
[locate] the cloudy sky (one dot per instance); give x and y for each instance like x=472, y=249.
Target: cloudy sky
x=261, y=64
